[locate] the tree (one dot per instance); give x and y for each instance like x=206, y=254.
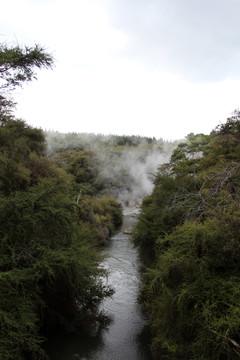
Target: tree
x=191, y=222
x=17, y=66
x=50, y=277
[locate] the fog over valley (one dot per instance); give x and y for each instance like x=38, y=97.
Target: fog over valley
x=125, y=165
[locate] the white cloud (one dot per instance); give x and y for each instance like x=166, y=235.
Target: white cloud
x=124, y=67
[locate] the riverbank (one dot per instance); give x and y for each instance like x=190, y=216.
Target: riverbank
x=126, y=336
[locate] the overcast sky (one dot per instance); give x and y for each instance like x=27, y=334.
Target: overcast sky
x=160, y=68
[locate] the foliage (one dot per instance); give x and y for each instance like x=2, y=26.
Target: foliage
x=59, y=142
x=56, y=263
x=83, y=166
x=48, y=260
x=50, y=278
x=190, y=225
x=17, y=65
x=109, y=212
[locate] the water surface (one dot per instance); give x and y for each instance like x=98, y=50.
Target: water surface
x=126, y=338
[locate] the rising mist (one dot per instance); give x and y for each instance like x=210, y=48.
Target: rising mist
x=125, y=165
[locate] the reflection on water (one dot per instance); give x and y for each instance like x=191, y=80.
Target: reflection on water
x=126, y=337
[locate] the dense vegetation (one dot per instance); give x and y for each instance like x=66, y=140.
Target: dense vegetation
x=58, y=142
x=50, y=279
x=118, y=166
x=189, y=226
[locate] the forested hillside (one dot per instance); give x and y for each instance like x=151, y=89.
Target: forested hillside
x=50, y=279
x=109, y=165
x=189, y=226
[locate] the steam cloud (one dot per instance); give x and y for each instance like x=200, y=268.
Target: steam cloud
x=126, y=171
x=135, y=169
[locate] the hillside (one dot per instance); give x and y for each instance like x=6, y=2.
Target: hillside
x=122, y=167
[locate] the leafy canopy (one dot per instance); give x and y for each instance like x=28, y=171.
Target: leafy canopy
x=17, y=66
x=190, y=227
x=50, y=278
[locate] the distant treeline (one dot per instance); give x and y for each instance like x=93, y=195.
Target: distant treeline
x=57, y=141
x=117, y=166
x=188, y=231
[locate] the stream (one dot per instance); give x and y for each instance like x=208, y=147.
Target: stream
x=126, y=337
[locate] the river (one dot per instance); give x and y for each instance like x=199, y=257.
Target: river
x=126, y=337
